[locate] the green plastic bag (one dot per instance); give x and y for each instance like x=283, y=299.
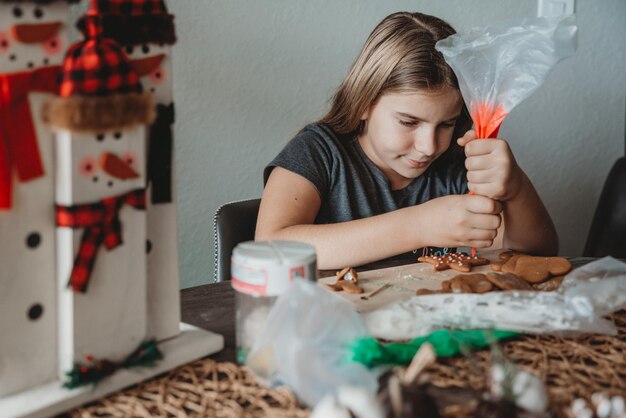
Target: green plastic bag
x=371, y=353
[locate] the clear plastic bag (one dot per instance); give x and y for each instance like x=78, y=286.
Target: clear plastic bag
x=500, y=65
x=305, y=341
x=587, y=294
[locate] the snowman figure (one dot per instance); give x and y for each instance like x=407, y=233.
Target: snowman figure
x=146, y=31
x=33, y=38
x=99, y=120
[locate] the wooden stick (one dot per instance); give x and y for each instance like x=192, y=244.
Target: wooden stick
x=424, y=357
x=375, y=292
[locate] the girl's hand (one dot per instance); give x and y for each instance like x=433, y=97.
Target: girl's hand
x=491, y=168
x=462, y=221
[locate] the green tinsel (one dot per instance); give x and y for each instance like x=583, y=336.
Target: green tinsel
x=446, y=343
x=95, y=370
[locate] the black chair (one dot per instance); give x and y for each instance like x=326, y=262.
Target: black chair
x=233, y=223
x=607, y=235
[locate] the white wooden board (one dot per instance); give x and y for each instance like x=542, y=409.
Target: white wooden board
x=110, y=319
x=27, y=253
x=27, y=289
x=47, y=400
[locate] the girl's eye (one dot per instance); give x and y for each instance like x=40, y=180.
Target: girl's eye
x=5, y=45
x=407, y=122
x=448, y=125
x=88, y=166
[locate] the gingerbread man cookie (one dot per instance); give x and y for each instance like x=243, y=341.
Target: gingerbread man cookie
x=347, y=280
x=455, y=261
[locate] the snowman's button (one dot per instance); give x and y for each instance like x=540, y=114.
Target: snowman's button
x=33, y=240
x=35, y=312
x=148, y=246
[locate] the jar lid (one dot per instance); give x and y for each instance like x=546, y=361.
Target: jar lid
x=274, y=252
x=267, y=268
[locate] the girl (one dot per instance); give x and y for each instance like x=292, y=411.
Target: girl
x=383, y=173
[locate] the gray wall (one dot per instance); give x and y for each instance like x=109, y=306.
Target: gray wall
x=249, y=74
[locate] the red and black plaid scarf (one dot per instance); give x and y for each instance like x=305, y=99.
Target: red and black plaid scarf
x=18, y=142
x=102, y=225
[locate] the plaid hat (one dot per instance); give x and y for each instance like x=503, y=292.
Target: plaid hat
x=99, y=90
x=129, y=22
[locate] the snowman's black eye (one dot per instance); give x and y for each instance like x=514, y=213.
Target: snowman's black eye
x=38, y=13
x=17, y=12
x=145, y=49
x=100, y=137
x=129, y=49
x=117, y=135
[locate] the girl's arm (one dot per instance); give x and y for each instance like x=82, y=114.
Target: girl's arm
x=529, y=227
x=290, y=204
x=493, y=172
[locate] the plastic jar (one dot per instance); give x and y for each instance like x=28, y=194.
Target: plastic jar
x=260, y=272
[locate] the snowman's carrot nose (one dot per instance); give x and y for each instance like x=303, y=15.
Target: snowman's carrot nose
x=144, y=66
x=116, y=167
x=35, y=33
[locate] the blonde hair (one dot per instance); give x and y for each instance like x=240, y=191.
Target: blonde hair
x=399, y=55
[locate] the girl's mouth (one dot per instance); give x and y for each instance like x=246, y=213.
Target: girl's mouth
x=418, y=163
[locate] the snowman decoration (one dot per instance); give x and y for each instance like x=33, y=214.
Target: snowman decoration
x=33, y=38
x=99, y=120
x=146, y=31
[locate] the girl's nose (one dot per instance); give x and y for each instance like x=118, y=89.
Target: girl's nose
x=425, y=141
x=116, y=167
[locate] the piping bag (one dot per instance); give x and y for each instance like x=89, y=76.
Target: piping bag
x=500, y=65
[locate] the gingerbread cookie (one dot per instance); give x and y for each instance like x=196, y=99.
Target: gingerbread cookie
x=507, y=281
x=420, y=292
x=536, y=269
x=455, y=261
x=549, y=285
x=347, y=280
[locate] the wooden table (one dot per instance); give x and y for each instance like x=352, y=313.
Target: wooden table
x=212, y=307
x=571, y=368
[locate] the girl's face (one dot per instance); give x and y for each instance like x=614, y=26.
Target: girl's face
x=405, y=132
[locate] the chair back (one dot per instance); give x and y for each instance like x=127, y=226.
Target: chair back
x=607, y=235
x=234, y=222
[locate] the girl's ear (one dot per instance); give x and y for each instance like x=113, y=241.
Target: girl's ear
x=366, y=115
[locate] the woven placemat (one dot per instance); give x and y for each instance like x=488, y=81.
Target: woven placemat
x=571, y=368
x=204, y=388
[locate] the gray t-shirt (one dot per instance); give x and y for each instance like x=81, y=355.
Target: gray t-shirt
x=352, y=187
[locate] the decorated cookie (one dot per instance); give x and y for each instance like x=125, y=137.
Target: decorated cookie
x=455, y=261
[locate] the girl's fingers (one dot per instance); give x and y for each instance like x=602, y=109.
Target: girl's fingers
x=469, y=136
x=480, y=176
x=480, y=243
x=481, y=147
x=478, y=204
x=482, y=162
